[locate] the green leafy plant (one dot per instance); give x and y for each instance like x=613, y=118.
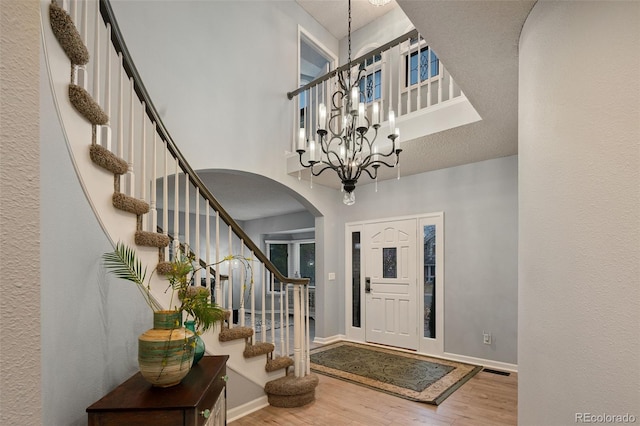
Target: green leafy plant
x=124, y=264
x=194, y=300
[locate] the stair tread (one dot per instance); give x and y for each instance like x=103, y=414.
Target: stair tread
x=236, y=333
x=129, y=204
x=108, y=160
x=85, y=105
x=151, y=239
x=278, y=363
x=257, y=349
x=68, y=36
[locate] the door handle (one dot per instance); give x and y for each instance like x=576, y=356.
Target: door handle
x=367, y=285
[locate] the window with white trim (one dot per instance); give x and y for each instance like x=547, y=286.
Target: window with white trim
x=420, y=61
x=371, y=83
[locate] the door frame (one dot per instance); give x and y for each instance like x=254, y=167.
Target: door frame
x=425, y=345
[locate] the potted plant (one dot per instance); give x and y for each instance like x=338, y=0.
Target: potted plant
x=166, y=352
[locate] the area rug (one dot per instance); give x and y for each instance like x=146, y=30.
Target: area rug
x=407, y=375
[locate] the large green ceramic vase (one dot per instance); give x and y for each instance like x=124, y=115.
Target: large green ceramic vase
x=165, y=352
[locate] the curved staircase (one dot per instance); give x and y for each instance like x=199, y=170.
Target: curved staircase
x=133, y=163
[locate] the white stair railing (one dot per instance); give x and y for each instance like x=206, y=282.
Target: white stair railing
x=180, y=205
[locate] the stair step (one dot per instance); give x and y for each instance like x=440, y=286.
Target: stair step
x=151, y=239
x=129, y=204
x=164, y=268
x=291, y=391
x=257, y=349
x=85, y=105
x=67, y=34
x=278, y=363
x=236, y=333
x=108, y=160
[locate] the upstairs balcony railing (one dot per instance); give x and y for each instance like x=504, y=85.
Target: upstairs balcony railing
x=181, y=206
x=404, y=76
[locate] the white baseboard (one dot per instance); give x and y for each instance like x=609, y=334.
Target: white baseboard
x=246, y=409
x=498, y=365
x=331, y=339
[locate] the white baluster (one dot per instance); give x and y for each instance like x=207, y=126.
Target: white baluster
x=305, y=341
x=230, y=279
x=120, y=141
x=273, y=309
x=408, y=77
x=297, y=355
x=196, y=248
x=96, y=57
x=143, y=163
x=132, y=180
x=243, y=288
x=217, y=283
x=282, y=310
x=399, y=110
x=450, y=85
x=165, y=198
x=104, y=132
x=419, y=97
x=429, y=74
x=85, y=22
x=152, y=194
x=187, y=219
x=207, y=253
x=440, y=82
x=176, y=208
x=263, y=299
x=286, y=320
x=251, y=291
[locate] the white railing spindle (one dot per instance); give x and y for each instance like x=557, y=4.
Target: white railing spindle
x=196, y=243
x=176, y=208
x=143, y=163
x=218, y=285
x=131, y=173
x=152, y=194
x=165, y=199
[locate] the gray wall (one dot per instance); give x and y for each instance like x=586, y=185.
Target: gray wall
x=90, y=321
x=579, y=145
x=480, y=205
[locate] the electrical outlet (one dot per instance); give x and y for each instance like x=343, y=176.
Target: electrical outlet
x=486, y=338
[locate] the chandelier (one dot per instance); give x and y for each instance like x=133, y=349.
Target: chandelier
x=346, y=141
x=379, y=2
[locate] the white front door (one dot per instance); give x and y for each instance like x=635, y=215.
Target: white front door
x=390, y=258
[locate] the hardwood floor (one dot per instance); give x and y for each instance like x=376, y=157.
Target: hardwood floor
x=486, y=399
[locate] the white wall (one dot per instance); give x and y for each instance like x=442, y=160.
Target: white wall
x=479, y=202
x=579, y=249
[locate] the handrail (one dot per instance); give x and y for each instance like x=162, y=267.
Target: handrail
x=120, y=46
x=407, y=36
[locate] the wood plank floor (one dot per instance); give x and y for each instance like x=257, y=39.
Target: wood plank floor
x=486, y=399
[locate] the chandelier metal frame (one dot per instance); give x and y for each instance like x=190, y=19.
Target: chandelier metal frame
x=345, y=143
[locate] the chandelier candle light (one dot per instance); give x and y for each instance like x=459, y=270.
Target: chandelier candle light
x=347, y=140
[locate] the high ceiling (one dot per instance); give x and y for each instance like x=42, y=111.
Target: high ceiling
x=478, y=43
x=333, y=14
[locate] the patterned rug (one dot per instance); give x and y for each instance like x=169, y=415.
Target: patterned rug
x=407, y=375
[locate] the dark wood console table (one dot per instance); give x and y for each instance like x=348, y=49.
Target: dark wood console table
x=199, y=400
